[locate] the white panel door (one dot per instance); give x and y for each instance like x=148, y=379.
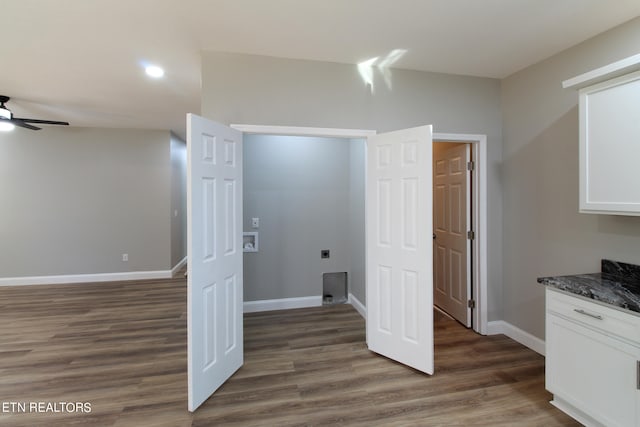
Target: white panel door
x=451, y=220
x=399, y=247
x=214, y=283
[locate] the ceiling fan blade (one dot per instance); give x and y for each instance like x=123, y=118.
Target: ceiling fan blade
x=44, y=122
x=20, y=123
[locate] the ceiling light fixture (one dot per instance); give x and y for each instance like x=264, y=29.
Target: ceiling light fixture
x=5, y=116
x=5, y=113
x=6, y=126
x=154, y=71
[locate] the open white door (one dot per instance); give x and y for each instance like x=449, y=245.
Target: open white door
x=214, y=282
x=399, y=247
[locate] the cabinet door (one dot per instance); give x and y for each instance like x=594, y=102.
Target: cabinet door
x=592, y=371
x=609, y=148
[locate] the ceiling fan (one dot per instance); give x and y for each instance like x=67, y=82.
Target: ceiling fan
x=6, y=116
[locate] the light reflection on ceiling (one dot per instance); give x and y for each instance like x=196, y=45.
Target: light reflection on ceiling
x=366, y=68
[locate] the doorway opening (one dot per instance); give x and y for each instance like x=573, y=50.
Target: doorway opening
x=477, y=231
x=303, y=196
x=453, y=230
x=477, y=264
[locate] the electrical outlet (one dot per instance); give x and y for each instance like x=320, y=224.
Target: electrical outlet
x=255, y=222
x=125, y=257
x=324, y=253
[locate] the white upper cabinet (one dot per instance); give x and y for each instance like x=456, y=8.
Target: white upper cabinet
x=610, y=138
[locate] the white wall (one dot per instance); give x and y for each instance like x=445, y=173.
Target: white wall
x=543, y=232
x=75, y=199
x=270, y=91
x=299, y=189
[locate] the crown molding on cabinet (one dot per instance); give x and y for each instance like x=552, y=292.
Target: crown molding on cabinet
x=610, y=71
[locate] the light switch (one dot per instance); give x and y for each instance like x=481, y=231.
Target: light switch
x=255, y=222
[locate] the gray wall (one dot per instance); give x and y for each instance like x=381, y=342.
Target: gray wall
x=357, y=229
x=75, y=199
x=178, y=199
x=543, y=232
x=299, y=188
x=262, y=90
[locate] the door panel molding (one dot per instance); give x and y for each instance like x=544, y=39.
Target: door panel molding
x=399, y=285
x=214, y=280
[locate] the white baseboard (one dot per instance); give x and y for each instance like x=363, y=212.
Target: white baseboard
x=88, y=278
x=178, y=266
x=516, y=334
x=84, y=278
x=359, y=306
x=282, y=304
x=574, y=412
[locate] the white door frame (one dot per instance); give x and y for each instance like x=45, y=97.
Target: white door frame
x=479, y=266
x=478, y=143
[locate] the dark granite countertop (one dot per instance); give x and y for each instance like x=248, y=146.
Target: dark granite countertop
x=618, y=284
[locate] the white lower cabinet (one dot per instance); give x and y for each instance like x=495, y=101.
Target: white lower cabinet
x=592, y=355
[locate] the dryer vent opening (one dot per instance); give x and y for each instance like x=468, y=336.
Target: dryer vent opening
x=334, y=288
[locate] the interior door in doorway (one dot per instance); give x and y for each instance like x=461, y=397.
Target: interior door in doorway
x=214, y=250
x=399, y=287
x=451, y=213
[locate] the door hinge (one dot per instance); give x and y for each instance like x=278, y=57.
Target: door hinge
x=471, y=235
x=471, y=165
x=471, y=303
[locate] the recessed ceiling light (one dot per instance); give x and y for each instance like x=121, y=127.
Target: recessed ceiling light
x=6, y=126
x=154, y=71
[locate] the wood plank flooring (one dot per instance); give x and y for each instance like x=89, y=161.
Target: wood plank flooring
x=122, y=348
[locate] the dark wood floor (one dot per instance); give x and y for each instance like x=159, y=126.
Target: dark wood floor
x=122, y=348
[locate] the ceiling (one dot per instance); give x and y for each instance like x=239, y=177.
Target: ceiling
x=81, y=60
